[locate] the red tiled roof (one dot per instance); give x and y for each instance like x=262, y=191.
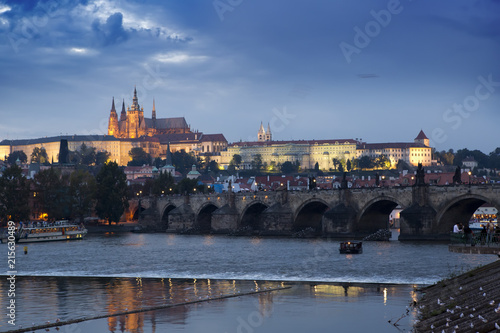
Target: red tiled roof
x=421, y=136
x=389, y=145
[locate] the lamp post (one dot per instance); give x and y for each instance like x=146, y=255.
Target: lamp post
x=470, y=173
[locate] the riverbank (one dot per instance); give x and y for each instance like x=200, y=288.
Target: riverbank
x=469, y=302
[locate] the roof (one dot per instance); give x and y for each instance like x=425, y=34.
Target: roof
x=212, y=137
x=90, y=137
x=421, y=136
x=164, y=123
x=293, y=142
x=397, y=145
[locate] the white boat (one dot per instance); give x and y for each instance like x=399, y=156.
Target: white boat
x=478, y=224
x=45, y=232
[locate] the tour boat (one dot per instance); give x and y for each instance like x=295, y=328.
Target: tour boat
x=45, y=231
x=351, y=247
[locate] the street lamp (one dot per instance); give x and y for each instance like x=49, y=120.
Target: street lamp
x=470, y=173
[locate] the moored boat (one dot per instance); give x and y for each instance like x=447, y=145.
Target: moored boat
x=45, y=232
x=351, y=247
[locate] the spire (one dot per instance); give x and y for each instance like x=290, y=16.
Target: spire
x=169, y=155
x=113, y=106
x=261, y=135
x=123, y=115
x=268, y=133
x=154, y=110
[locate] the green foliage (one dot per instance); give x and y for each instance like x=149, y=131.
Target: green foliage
x=187, y=186
x=52, y=190
x=15, y=155
x=14, y=194
x=257, y=163
x=236, y=160
x=340, y=168
x=162, y=184
x=139, y=157
x=365, y=162
x=82, y=187
x=111, y=194
x=183, y=161
x=382, y=162
x=289, y=167
x=348, y=165
x=101, y=157
x=336, y=163
x=39, y=155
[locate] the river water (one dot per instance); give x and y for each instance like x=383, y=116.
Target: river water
x=113, y=272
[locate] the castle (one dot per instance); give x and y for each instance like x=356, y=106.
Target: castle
x=132, y=123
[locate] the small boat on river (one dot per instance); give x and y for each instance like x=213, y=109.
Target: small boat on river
x=351, y=247
x=28, y=232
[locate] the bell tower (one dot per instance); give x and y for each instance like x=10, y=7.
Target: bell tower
x=113, y=121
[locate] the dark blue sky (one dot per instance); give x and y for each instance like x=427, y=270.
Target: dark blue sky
x=316, y=69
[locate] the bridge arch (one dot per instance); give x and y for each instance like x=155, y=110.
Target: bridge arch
x=459, y=210
x=310, y=215
x=164, y=215
x=375, y=214
x=250, y=217
x=137, y=211
x=204, y=217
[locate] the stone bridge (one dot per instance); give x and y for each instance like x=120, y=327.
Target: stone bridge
x=428, y=212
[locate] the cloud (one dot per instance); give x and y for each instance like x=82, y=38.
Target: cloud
x=178, y=58
x=111, y=32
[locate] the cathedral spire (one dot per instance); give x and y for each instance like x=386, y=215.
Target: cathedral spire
x=123, y=115
x=261, y=135
x=268, y=133
x=154, y=110
x=113, y=106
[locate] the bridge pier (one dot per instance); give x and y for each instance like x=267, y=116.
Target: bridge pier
x=225, y=220
x=277, y=220
x=339, y=220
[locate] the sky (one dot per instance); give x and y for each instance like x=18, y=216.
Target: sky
x=378, y=70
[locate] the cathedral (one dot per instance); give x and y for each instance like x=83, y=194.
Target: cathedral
x=132, y=123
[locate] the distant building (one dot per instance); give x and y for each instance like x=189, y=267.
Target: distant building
x=412, y=153
x=470, y=163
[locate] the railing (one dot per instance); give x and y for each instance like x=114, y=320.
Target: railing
x=476, y=239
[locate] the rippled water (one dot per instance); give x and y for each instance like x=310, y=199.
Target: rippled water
x=109, y=274
x=222, y=257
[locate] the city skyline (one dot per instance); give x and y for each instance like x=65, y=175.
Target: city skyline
x=380, y=71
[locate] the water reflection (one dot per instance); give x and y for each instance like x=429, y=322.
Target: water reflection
x=42, y=299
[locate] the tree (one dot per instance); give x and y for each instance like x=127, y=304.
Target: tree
x=102, y=157
x=82, y=187
x=14, y=194
x=111, y=194
x=187, y=186
x=348, y=165
x=15, y=155
x=139, y=157
x=183, y=161
x=382, y=162
x=336, y=163
x=257, y=162
x=162, y=183
x=289, y=167
x=341, y=168
x=39, y=155
x=365, y=162
x=316, y=167
x=52, y=193
x=236, y=160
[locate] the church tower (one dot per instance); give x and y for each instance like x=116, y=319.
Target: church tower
x=135, y=119
x=113, y=121
x=153, y=114
x=261, y=135
x=269, y=136
x=422, y=139
x=123, y=115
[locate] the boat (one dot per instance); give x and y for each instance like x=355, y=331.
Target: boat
x=351, y=247
x=45, y=231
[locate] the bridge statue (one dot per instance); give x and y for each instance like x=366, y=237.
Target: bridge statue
x=420, y=176
x=457, y=178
